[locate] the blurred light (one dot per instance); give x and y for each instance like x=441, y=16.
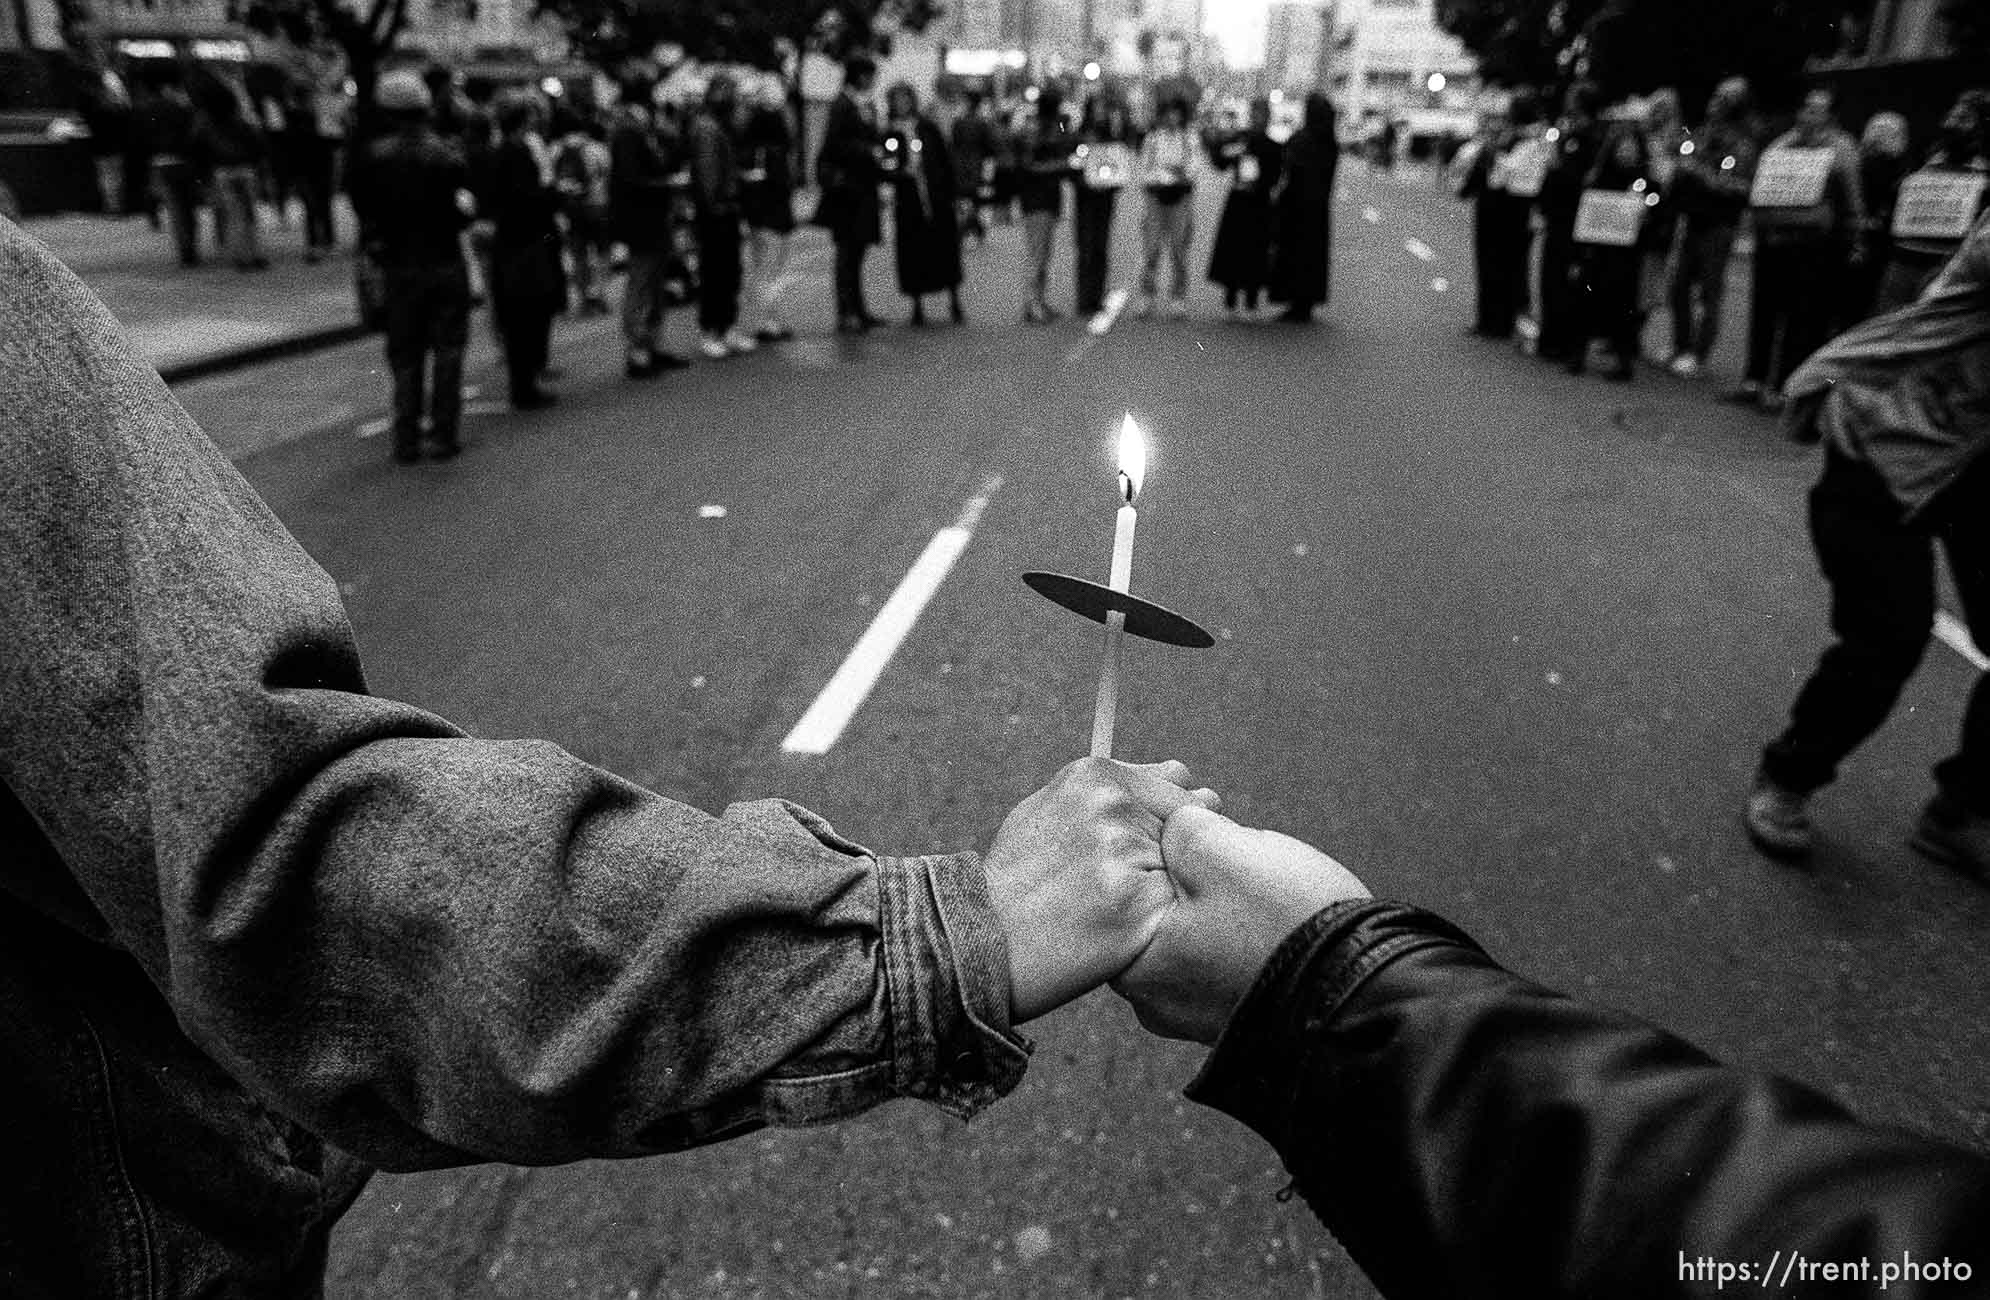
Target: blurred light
x=1092, y=71
x=1651, y=200
x=1554, y=134
x=1030, y=93
x=67, y=128
x=552, y=86
x=1727, y=164
x=973, y=63
x=1015, y=60
x=146, y=49
x=1278, y=96
x=1437, y=83
x=1686, y=149
x=222, y=51
x=350, y=88
x=891, y=144
x=1638, y=186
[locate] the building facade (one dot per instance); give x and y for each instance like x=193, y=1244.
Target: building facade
x=1897, y=55
x=1390, y=58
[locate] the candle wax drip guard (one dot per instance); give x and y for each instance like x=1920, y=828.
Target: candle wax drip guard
x=1143, y=617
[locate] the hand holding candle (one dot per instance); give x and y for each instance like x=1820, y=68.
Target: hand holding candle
x=1112, y=604
x=1132, y=471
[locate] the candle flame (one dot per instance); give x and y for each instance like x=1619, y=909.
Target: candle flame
x=1132, y=458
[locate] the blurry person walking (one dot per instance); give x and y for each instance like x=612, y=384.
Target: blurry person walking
x=1302, y=214
x=715, y=209
x=926, y=224
x=1710, y=193
x=1042, y=162
x=1899, y=403
x=315, y=128
x=1949, y=192
x=411, y=191
x=528, y=280
x=234, y=149
x=1167, y=160
x=1240, y=259
x=1804, y=246
x=1105, y=158
x=846, y=169
x=767, y=200
x=639, y=200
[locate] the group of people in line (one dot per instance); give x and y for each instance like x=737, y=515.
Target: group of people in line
x=1868, y=333
x=704, y=202
x=1638, y=211
x=177, y=140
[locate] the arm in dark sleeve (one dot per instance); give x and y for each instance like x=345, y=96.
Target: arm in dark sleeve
x=429, y=948
x=1464, y=1132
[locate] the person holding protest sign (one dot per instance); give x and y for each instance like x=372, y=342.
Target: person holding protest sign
x=1808, y=206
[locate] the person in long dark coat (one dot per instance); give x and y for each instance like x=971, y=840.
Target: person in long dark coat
x=926, y=223
x=528, y=278
x=846, y=167
x=1302, y=213
x=1241, y=259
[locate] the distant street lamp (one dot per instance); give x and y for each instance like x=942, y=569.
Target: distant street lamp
x=1436, y=83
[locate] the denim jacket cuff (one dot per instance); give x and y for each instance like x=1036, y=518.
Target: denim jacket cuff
x=947, y=972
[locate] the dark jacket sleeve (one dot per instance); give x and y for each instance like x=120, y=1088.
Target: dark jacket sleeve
x=1464, y=1132
x=427, y=947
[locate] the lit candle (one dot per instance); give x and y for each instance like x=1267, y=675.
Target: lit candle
x=1132, y=469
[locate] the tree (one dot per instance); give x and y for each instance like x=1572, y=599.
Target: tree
x=1635, y=46
x=762, y=33
x=1968, y=27
x=363, y=30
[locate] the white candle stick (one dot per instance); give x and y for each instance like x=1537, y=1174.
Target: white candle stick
x=1132, y=469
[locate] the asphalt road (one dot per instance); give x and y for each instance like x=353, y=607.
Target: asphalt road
x=1505, y=641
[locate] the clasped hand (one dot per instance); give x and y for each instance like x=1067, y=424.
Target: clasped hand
x=1127, y=873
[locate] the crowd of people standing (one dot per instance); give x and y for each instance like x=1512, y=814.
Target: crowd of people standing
x=702, y=202
x=1632, y=211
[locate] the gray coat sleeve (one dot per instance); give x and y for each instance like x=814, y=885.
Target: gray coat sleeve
x=431, y=949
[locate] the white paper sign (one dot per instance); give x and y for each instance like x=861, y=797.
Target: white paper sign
x=1523, y=169
x=1247, y=171
x=1107, y=165
x=1791, y=177
x=1938, y=205
x=1609, y=218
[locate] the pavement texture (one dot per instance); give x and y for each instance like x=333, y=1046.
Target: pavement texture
x=1504, y=641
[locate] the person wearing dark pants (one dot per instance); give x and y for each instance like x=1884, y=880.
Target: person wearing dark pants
x=411, y=191
x=529, y=279
x=1709, y=190
x=1806, y=241
x=1792, y=308
x=428, y=314
x=639, y=205
x=1576, y=141
x=1899, y=403
x=847, y=169
x=715, y=200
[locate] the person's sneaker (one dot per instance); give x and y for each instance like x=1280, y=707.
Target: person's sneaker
x=714, y=347
x=1778, y=820
x=739, y=341
x=1685, y=365
x=1957, y=839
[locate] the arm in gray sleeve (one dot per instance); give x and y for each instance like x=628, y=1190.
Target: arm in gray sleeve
x=429, y=948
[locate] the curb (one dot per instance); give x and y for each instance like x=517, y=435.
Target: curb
x=290, y=345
